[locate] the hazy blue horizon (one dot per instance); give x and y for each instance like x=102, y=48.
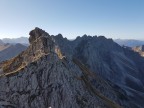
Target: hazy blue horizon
x=111, y=18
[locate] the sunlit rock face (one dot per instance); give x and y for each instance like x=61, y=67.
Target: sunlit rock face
x=139, y=49
x=88, y=72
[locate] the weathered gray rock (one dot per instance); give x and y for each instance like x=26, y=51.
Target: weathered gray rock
x=46, y=83
x=121, y=66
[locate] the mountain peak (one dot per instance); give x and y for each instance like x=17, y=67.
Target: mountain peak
x=41, y=44
x=36, y=33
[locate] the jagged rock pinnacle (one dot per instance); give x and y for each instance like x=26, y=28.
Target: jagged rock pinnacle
x=36, y=33
x=41, y=44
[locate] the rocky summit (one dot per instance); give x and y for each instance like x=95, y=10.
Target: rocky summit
x=88, y=72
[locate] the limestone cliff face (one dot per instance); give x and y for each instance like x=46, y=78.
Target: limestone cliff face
x=55, y=72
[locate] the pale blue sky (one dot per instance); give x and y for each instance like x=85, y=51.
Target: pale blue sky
x=111, y=18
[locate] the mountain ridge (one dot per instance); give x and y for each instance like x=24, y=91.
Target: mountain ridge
x=56, y=72
x=22, y=40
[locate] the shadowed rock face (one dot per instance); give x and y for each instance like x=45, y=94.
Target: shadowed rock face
x=85, y=73
x=119, y=65
x=142, y=47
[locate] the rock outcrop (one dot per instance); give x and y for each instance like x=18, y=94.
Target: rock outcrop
x=40, y=44
x=88, y=72
x=36, y=33
x=139, y=49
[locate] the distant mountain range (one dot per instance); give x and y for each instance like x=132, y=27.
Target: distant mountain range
x=8, y=51
x=129, y=42
x=22, y=40
x=10, y=48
